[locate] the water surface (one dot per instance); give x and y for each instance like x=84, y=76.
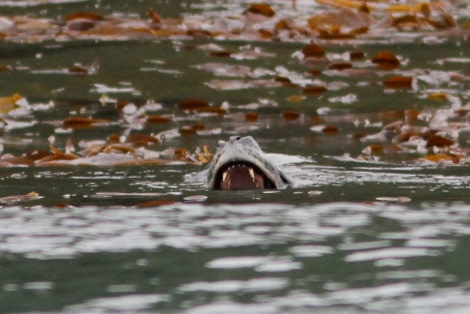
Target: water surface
x=113, y=213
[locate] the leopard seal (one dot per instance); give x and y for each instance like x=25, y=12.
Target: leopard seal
x=240, y=164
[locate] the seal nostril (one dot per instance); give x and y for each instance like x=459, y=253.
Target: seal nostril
x=235, y=138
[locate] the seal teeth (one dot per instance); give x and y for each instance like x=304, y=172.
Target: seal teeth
x=252, y=174
x=224, y=176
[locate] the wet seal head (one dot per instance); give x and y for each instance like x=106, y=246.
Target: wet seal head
x=240, y=164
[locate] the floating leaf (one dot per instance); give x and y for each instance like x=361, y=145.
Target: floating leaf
x=411, y=115
x=406, y=20
x=405, y=136
x=205, y=156
x=314, y=89
x=9, y=160
x=289, y=115
x=10, y=103
x=266, y=34
x=285, y=81
x=314, y=72
x=198, y=126
x=154, y=16
x=187, y=130
x=386, y=60
x=330, y=129
x=31, y=196
x=251, y=116
x=282, y=24
x=335, y=33
x=313, y=51
x=142, y=139
x=83, y=15
x=118, y=148
x=341, y=24
x=205, y=34
x=261, y=9
x=157, y=119
x=354, y=4
x=344, y=17
x=357, y=55
x=37, y=155
x=393, y=114
x=221, y=53
x=438, y=96
x=296, y=98
x=406, y=8
x=80, y=25
x=317, y=120
x=326, y=129
x=462, y=112
x=438, y=141
x=183, y=154
x=398, y=81
x=193, y=104
x=373, y=149
x=79, y=70
x=58, y=155
x=114, y=138
x=442, y=157
x=81, y=122
x=4, y=68
x=447, y=21
x=60, y=205
x=359, y=135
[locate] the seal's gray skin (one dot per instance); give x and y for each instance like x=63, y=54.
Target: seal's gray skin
x=240, y=164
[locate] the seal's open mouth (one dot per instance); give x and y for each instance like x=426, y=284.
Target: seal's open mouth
x=242, y=176
x=240, y=164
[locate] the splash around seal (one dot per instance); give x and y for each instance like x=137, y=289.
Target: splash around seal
x=240, y=164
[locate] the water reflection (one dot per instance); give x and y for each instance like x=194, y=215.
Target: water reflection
x=290, y=257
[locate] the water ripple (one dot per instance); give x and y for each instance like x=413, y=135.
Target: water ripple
x=321, y=254
x=186, y=226
x=253, y=285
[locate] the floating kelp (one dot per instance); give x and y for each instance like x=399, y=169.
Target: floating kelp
x=251, y=116
x=313, y=76
x=120, y=151
x=334, y=20
x=386, y=60
x=10, y=103
x=158, y=119
x=314, y=89
x=82, y=122
x=262, y=9
x=290, y=115
x=13, y=199
x=193, y=104
x=313, y=50
x=398, y=81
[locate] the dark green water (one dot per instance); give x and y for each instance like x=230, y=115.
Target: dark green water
x=358, y=231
